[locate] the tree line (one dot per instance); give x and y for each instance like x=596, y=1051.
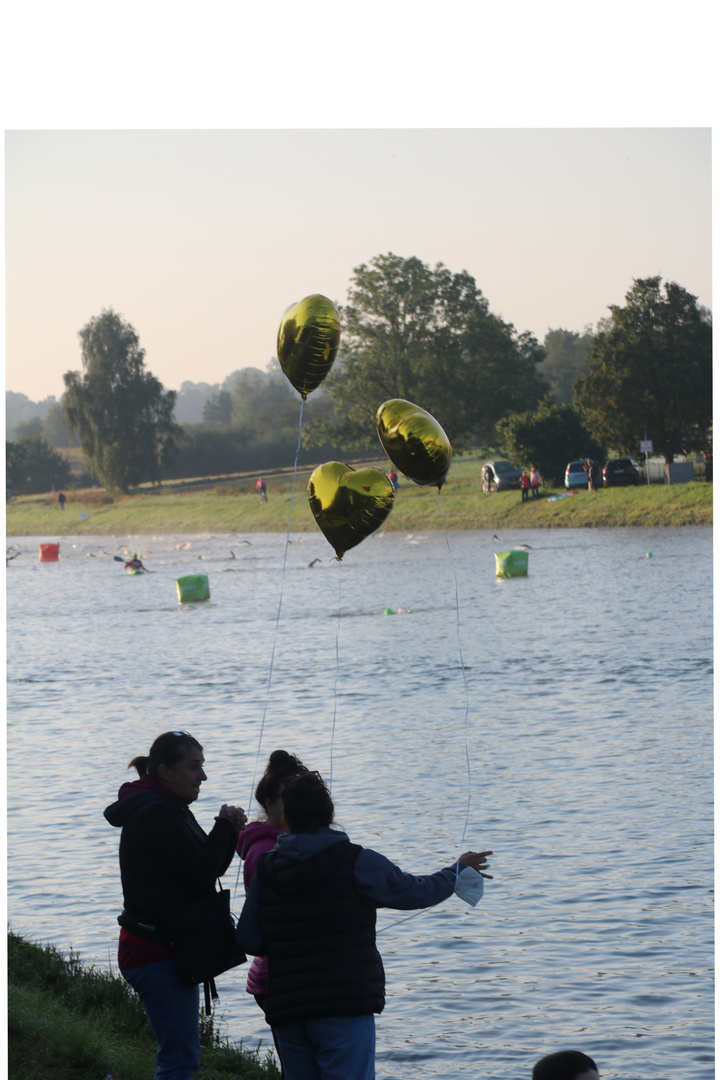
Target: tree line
x=409, y=331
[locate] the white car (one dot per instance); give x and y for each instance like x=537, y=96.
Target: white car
x=575, y=475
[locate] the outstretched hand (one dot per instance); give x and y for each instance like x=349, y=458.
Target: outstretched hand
x=235, y=815
x=478, y=861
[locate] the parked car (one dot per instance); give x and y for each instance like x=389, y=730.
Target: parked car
x=500, y=476
x=575, y=475
x=620, y=471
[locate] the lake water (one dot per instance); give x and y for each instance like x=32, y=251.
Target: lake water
x=581, y=696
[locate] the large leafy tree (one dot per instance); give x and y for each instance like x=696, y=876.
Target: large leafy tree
x=548, y=437
x=120, y=412
x=650, y=372
x=426, y=335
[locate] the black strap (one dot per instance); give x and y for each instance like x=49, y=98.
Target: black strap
x=210, y=991
x=209, y=987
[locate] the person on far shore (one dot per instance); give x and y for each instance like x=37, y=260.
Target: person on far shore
x=565, y=1065
x=393, y=478
x=525, y=486
x=591, y=469
x=262, y=489
x=535, y=482
x=62, y=500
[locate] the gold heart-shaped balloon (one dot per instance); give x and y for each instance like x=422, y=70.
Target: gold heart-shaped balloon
x=308, y=341
x=349, y=504
x=414, y=442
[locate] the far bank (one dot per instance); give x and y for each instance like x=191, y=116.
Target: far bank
x=232, y=505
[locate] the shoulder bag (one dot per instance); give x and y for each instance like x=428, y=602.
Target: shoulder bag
x=202, y=939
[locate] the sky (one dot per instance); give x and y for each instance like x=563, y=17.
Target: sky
x=200, y=224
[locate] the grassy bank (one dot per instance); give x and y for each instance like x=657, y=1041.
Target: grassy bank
x=231, y=504
x=69, y=1022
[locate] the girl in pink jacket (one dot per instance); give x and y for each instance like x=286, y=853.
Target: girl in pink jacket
x=261, y=836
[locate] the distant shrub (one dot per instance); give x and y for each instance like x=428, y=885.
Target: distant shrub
x=32, y=466
x=89, y=496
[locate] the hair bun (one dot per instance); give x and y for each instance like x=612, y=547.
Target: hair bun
x=280, y=767
x=280, y=760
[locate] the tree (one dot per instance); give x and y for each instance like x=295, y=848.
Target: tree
x=263, y=429
x=19, y=407
x=191, y=400
x=32, y=466
x=566, y=360
x=208, y=451
x=426, y=335
x=29, y=429
x=54, y=430
x=218, y=408
x=264, y=402
x=548, y=438
x=120, y=412
x=650, y=372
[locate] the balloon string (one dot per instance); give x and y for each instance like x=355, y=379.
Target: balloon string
x=396, y=922
x=464, y=675
x=337, y=676
x=277, y=625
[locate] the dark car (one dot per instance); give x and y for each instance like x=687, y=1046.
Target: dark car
x=621, y=471
x=500, y=476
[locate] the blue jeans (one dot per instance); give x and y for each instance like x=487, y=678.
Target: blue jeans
x=333, y=1048
x=173, y=1012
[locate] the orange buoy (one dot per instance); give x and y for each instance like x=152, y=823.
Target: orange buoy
x=49, y=552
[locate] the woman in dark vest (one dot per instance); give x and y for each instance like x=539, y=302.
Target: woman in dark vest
x=311, y=909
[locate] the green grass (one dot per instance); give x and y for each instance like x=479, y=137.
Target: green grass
x=231, y=504
x=70, y=1022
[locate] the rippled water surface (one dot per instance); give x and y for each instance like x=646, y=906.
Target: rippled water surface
x=581, y=697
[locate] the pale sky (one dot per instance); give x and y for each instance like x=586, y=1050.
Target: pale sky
x=281, y=150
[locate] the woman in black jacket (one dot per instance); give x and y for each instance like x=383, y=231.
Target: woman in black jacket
x=166, y=862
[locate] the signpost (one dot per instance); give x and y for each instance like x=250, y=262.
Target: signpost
x=646, y=448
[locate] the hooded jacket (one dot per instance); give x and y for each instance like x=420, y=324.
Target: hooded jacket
x=322, y=959
x=258, y=838
x=311, y=908
x=166, y=860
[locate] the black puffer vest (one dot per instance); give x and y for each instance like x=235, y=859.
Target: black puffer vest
x=320, y=937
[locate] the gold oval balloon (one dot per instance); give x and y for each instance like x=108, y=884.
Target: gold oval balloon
x=308, y=341
x=414, y=442
x=349, y=504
